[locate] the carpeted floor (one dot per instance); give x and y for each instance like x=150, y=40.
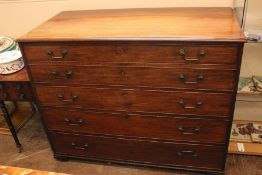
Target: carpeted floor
x=38, y=155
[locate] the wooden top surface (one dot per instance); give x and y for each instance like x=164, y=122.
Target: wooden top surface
x=178, y=24
x=21, y=75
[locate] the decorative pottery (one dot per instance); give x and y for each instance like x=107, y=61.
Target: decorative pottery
x=11, y=61
x=7, y=44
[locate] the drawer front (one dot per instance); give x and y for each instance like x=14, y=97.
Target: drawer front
x=169, y=77
x=143, y=126
x=136, y=100
x=89, y=54
x=139, y=151
x=18, y=91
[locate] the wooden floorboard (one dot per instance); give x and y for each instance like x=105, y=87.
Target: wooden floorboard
x=7, y=170
x=243, y=165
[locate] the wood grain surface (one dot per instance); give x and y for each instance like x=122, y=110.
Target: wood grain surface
x=193, y=24
x=151, y=152
x=22, y=75
x=130, y=52
x=7, y=170
x=126, y=76
x=134, y=100
x=138, y=126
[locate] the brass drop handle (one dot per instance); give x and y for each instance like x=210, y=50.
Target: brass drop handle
x=50, y=53
x=57, y=75
x=184, y=54
x=62, y=98
x=183, y=130
x=186, y=152
x=198, y=78
x=74, y=123
x=182, y=103
x=84, y=147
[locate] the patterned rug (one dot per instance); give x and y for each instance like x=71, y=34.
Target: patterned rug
x=246, y=132
x=251, y=85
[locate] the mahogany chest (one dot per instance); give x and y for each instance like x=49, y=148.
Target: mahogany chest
x=153, y=87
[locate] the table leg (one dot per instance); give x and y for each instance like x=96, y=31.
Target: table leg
x=10, y=125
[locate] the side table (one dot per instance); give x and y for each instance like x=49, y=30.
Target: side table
x=14, y=87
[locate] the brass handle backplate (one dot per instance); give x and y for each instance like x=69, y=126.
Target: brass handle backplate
x=184, y=79
x=198, y=104
x=68, y=74
x=51, y=54
x=62, y=98
x=183, y=53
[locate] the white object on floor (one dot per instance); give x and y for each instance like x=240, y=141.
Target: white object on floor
x=240, y=147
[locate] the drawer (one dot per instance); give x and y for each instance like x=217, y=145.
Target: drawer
x=90, y=54
x=159, y=77
x=139, y=151
x=151, y=101
x=18, y=91
x=133, y=125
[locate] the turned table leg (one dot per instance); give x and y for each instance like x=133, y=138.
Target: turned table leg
x=10, y=125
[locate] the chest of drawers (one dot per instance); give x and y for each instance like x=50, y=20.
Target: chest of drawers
x=117, y=86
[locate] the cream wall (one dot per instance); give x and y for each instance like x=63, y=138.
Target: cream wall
x=20, y=16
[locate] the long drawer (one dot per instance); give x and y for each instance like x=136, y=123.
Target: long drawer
x=135, y=100
x=143, y=76
x=131, y=125
x=89, y=54
x=15, y=91
x=139, y=151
